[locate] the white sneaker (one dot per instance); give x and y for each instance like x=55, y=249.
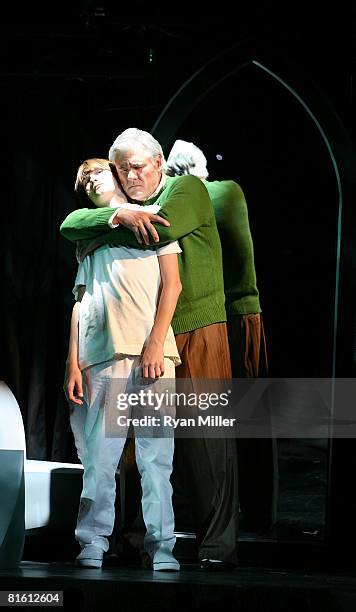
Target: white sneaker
x=90, y=556
x=163, y=561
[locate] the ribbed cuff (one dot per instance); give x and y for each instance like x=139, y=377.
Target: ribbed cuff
x=245, y=305
x=188, y=321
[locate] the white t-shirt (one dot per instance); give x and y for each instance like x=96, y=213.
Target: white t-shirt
x=119, y=306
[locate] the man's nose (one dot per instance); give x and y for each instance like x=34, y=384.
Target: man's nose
x=132, y=175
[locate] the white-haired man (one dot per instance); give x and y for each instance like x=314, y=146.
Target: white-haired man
x=199, y=321
x=257, y=463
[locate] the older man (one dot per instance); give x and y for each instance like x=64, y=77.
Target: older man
x=199, y=322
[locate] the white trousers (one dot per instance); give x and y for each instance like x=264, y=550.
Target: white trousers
x=100, y=456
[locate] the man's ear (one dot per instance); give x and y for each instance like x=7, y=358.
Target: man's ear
x=158, y=162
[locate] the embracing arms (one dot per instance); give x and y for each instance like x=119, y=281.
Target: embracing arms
x=185, y=206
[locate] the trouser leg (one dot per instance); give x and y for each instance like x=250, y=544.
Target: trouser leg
x=154, y=460
x=154, y=457
x=96, y=516
x=152, y=478
x=212, y=491
x=207, y=467
x=257, y=457
x=100, y=456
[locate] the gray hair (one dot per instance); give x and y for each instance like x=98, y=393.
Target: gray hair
x=133, y=136
x=186, y=158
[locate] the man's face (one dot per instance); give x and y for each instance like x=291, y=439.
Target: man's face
x=100, y=186
x=139, y=172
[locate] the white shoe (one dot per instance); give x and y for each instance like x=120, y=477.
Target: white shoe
x=163, y=561
x=90, y=556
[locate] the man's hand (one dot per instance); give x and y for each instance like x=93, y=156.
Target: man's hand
x=140, y=223
x=153, y=360
x=73, y=384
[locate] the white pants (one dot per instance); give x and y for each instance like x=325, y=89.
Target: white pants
x=100, y=456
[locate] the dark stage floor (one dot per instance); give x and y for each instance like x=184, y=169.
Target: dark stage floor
x=244, y=589
x=262, y=583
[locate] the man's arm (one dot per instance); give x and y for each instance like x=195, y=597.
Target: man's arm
x=186, y=207
x=91, y=224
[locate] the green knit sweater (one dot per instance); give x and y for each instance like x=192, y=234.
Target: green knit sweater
x=237, y=248
x=186, y=205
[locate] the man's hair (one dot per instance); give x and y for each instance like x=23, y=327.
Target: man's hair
x=84, y=170
x=134, y=136
x=186, y=158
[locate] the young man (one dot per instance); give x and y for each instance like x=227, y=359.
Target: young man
x=199, y=321
x=257, y=458
x=120, y=335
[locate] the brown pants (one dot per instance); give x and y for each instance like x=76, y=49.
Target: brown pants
x=205, y=469
x=257, y=458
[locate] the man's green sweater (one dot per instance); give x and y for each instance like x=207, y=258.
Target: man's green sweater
x=231, y=215
x=186, y=205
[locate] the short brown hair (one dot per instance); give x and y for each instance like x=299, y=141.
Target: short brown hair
x=83, y=173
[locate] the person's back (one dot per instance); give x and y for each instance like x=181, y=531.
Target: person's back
x=232, y=220
x=231, y=214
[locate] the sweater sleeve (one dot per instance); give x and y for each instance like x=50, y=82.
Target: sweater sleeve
x=85, y=223
x=185, y=204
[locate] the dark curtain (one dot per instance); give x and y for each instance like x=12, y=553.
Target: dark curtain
x=46, y=141
x=50, y=126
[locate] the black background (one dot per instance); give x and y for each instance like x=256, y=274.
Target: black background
x=73, y=77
